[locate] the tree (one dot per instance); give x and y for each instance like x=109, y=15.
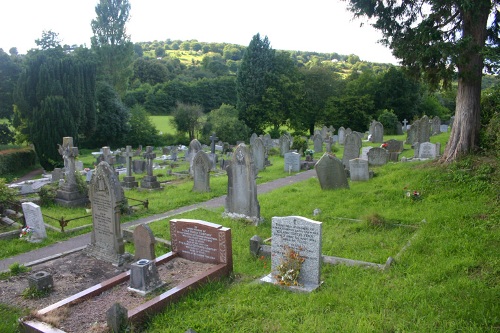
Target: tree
x=225, y=123
x=252, y=81
x=9, y=72
x=142, y=130
x=187, y=118
x=440, y=38
x=49, y=40
x=112, y=118
x=112, y=45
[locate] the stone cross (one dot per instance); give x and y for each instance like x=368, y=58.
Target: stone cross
x=213, y=138
x=149, y=155
x=128, y=156
x=69, y=153
x=404, y=124
x=106, y=155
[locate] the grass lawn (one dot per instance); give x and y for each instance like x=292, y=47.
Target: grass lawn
x=447, y=278
x=163, y=124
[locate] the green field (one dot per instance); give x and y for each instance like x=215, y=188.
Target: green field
x=163, y=124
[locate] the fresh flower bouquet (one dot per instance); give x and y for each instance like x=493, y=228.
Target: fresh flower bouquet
x=26, y=233
x=413, y=195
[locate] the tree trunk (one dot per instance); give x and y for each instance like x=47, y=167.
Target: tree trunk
x=464, y=136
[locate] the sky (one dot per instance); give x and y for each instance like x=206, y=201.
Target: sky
x=313, y=25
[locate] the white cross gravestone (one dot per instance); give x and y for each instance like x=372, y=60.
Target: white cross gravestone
x=302, y=236
x=34, y=219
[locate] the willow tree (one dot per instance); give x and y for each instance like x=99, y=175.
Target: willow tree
x=440, y=39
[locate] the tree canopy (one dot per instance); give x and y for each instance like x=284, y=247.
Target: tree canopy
x=439, y=39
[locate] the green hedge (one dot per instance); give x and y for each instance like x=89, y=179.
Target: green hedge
x=16, y=159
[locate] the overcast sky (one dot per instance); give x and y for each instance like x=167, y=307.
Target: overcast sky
x=312, y=25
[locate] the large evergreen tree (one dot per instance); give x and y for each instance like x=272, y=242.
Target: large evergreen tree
x=440, y=38
x=54, y=96
x=9, y=72
x=252, y=80
x=111, y=43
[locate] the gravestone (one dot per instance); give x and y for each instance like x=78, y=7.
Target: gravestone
x=68, y=194
x=107, y=156
x=268, y=141
x=88, y=176
x=202, y=241
x=399, y=128
x=318, y=143
x=443, y=128
x=324, y=132
x=144, y=277
x=284, y=144
x=341, y=134
x=303, y=236
x=331, y=173
x=258, y=153
x=411, y=133
x=424, y=130
x=78, y=165
x=328, y=142
x=129, y=180
x=144, y=242
x=213, y=138
x=427, y=150
x=106, y=196
x=57, y=175
x=405, y=122
x=377, y=132
x=194, y=147
x=364, y=152
x=435, y=125
x=252, y=138
x=138, y=166
x=241, y=196
x=117, y=318
x=34, y=219
x=292, y=162
x=358, y=170
x=394, y=147
x=201, y=172
x=352, y=147
x=150, y=182
x=378, y=156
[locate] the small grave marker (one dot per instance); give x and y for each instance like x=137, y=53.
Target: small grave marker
x=34, y=219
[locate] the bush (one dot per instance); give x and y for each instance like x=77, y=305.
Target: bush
x=7, y=194
x=490, y=136
x=47, y=194
x=390, y=122
x=16, y=159
x=299, y=144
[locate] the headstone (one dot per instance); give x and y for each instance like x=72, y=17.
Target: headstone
x=106, y=195
x=377, y=132
x=302, y=236
x=201, y=172
x=144, y=242
x=394, y=147
x=411, y=133
x=34, y=220
x=405, y=122
x=330, y=172
x=424, y=130
x=358, y=170
x=68, y=194
x=129, y=180
x=202, y=241
x=352, y=147
x=427, y=150
x=268, y=141
x=56, y=175
x=443, y=128
x=88, y=176
x=173, y=153
x=241, y=186
x=138, y=166
x=328, y=142
x=194, y=147
x=258, y=153
x=292, y=162
x=364, y=152
x=435, y=125
x=284, y=145
x=107, y=157
x=399, y=128
x=324, y=132
x=378, y=156
x=252, y=138
x=341, y=134
x=165, y=150
x=150, y=182
x=318, y=143
x=117, y=317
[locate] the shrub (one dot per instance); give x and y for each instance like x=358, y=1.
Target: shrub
x=490, y=136
x=47, y=194
x=299, y=143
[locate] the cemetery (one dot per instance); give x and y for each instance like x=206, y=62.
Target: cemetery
x=356, y=210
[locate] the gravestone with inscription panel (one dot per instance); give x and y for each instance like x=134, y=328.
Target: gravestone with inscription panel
x=303, y=236
x=292, y=162
x=106, y=195
x=352, y=148
x=378, y=156
x=202, y=241
x=427, y=150
x=358, y=170
x=331, y=173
